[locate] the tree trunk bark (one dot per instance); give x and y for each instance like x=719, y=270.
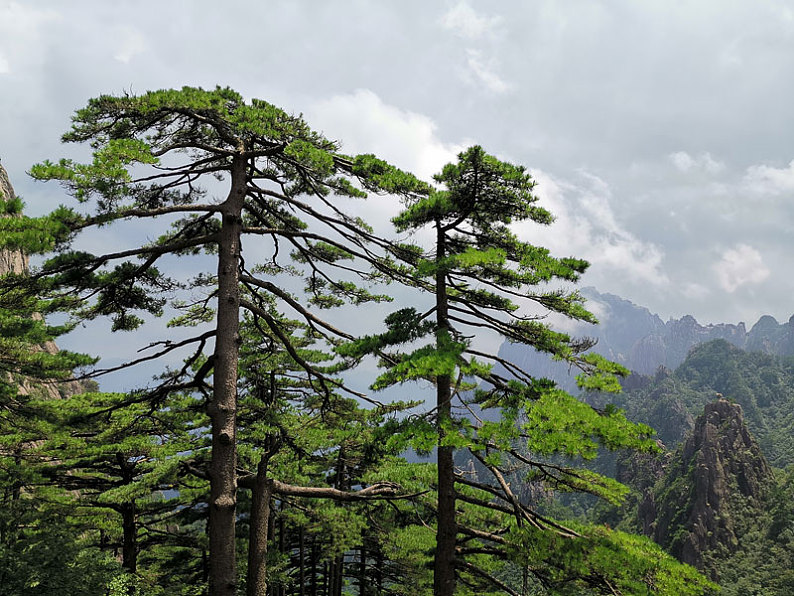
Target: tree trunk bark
x=223, y=407
x=302, y=562
x=362, y=569
x=129, y=546
x=379, y=570
x=281, y=587
x=446, y=529
x=339, y=574
x=315, y=555
x=256, y=584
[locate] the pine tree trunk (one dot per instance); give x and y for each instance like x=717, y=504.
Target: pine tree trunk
x=281, y=587
x=339, y=575
x=129, y=545
x=446, y=530
x=302, y=561
x=314, y=567
x=223, y=407
x=362, y=570
x=379, y=571
x=256, y=584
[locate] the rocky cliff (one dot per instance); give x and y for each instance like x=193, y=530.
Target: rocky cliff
x=15, y=261
x=716, y=480
x=11, y=261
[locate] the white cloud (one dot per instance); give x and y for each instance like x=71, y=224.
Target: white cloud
x=682, y=160
x=769, y=180
x=695, y=291
x=739, y=266
x=20, y=34
x=703, y=162
x=484, y=72
x=366, y=124
x=586, y=227
x=464, y=21
x=131, y=43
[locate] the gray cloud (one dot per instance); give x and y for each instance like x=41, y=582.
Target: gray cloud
x=660, y=132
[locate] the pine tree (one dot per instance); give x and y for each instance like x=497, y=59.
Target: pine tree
x=41, y=547
x=156, y=157
x=302, y=441
x=483, y=277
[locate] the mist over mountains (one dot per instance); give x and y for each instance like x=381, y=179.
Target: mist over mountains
x=642, y=342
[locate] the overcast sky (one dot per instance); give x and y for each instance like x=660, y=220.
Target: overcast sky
x=661, y=133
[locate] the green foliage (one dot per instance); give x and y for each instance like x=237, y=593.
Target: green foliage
x=131, y=467
x=478, y=269
x=44, y=550
x=762, y=384
x=629, y=564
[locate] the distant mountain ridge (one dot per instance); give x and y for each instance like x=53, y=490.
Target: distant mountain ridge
x=721, y=398
x=639, y=340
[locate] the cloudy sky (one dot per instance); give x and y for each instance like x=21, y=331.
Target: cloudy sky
x=661, y=133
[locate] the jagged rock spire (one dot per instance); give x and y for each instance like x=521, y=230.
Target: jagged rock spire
x=719, y=480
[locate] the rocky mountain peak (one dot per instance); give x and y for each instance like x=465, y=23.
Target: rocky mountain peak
x=717, y=475
x=639, y=340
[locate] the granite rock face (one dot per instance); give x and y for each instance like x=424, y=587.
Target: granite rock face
x=717, y=478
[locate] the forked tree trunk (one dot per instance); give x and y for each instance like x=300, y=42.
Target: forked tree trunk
x=446, y=528
x=223, y=407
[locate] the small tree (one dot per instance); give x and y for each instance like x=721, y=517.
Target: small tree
x=298, y=440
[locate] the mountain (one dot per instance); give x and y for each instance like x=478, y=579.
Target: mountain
x=762, y=384
x=715, y=503
x=639, y=340
x=719, y=495
x=715, y=478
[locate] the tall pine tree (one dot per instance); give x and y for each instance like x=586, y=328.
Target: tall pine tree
x=484, y=280
x=159, y=157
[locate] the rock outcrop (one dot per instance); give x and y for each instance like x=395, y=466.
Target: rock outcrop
x=717, y=479
x=11, y=261
x=16, y=261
